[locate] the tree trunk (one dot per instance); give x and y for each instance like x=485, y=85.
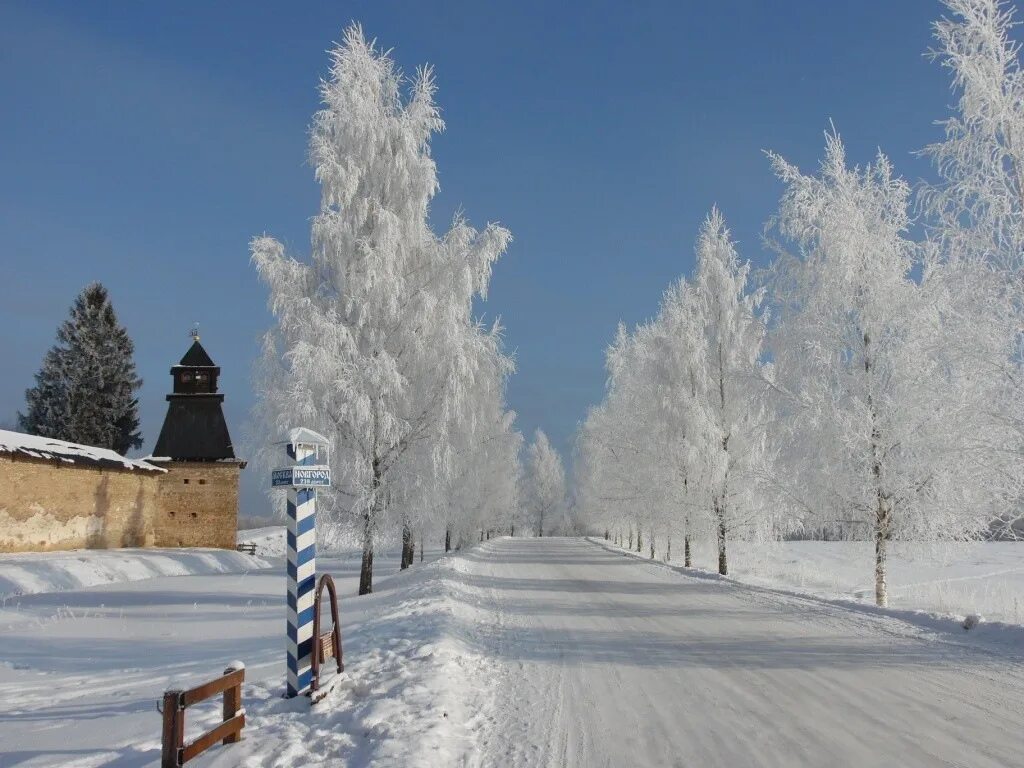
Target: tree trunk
x=606, y=534
x=882, y=511
x=652, y=546
x=668, y=550
x=448, y=539
x=881, y=592
x=512, y=530
x=366, y=568
x=421, y=547
x=630, y=539
x=488, y=534
x=723, y=563
x=369, y=520
x=540, y=526
x=882, y=519
x=481, y=534
x=408, y=546
x=639, y=541
x=687, y=561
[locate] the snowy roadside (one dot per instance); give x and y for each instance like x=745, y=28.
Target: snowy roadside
x=414, y=690
x=944, y=625
x=30, y=573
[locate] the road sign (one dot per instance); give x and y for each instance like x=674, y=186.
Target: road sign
x=301, y=477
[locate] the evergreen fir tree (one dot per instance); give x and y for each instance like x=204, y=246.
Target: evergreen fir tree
x=85, y=390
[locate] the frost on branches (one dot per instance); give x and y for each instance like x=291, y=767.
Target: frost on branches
x=977, y=228
x=375, y=344
x=676, y=445
x=544, y=491
x=85, y=391
x=875, y=429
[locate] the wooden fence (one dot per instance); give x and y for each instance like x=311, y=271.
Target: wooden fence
x=175, y=751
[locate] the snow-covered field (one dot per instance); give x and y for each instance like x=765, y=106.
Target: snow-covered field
x=525, y=652
x=985, y=578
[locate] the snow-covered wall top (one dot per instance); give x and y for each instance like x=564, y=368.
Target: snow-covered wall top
x=71, y=453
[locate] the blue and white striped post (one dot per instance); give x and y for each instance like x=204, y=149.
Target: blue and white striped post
x=310, y=468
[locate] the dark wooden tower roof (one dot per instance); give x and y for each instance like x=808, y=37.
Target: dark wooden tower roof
x=194, y=428
x=196, y=357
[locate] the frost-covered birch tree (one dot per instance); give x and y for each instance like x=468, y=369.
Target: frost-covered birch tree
x=873, y=427
x=544, y=490
x=675, y=363
x=977, y=217
x=374, y=344
x=731, y=440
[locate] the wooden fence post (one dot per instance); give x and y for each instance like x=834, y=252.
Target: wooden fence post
x=174, y=730
x=232, y=703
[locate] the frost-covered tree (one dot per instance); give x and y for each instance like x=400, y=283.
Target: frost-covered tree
x=874, y=432
x=980, y=204
x=374, y=344
x=729, y=431
x=481, y=492
x=544, y=491
x=977, y=218
x=673, y=448
x=85, y=391
x=679, y=371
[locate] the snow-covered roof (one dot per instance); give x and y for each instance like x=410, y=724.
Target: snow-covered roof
x=305, y=435
x=70, y=453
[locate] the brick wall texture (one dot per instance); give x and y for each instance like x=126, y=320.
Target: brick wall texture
x=52, y=505
x=197, y=505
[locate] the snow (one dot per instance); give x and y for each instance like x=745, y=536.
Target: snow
x=518, y=652
x=29, y=573
x=73, y=659
x=270, y=541
x=70, y=453
x=985, y=578
x=304, y=435
x=605, y=661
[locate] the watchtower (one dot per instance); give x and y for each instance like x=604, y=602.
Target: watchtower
x=198, y=499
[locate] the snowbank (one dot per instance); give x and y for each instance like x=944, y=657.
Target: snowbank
x=27, y=573
x=413, y=684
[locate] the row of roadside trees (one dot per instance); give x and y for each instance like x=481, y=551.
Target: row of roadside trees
x=868, y=383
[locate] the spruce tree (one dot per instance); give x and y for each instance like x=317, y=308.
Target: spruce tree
x=85, y=390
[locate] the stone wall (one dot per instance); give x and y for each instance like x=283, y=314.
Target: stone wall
x=197, y=504
x=47, y=504
x=51, y=504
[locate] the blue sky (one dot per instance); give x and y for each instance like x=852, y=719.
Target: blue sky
x=143, y=144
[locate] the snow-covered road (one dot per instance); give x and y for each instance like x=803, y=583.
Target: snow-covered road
x=607, y=661
x=517, y=652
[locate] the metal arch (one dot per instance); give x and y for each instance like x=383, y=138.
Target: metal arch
x=316, y=656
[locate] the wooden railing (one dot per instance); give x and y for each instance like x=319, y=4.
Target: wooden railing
x=175, y=751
